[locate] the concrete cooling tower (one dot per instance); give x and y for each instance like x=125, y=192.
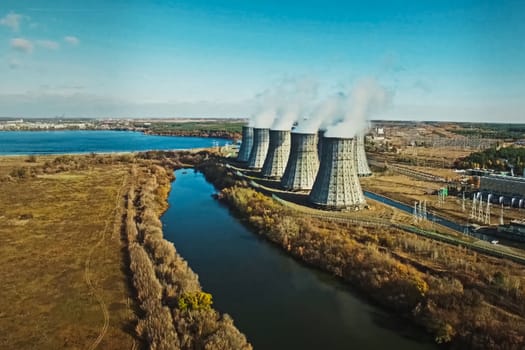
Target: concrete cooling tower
x=261, y=140
x=278, y=153
x=337, y=184
x=320, y=136
x=360, y=155
x=246, y=145
x=303, y=163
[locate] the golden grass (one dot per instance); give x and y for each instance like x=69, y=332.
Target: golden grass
x=50, y=224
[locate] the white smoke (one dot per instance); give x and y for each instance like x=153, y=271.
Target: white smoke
x=322, y=115
x=279, y=108
x=343, y=114
x=265, y=110
x=365, y=99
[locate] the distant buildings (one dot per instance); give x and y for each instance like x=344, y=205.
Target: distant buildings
x=500, y=185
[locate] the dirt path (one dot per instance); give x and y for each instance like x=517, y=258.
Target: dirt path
x=87, y=268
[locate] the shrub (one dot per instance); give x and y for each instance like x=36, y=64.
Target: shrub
x=195, y=301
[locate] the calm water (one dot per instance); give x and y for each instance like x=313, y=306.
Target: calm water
x=55, y=142
x=277, y=302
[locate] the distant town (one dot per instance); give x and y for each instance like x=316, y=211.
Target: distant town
x=14, y=124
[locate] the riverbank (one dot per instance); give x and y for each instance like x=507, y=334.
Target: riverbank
x=85, y=261
x=463, y=298
x=177, y=313
x=218, y=134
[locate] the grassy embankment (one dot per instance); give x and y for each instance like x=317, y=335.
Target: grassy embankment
x=465, y=299
x=84, y=262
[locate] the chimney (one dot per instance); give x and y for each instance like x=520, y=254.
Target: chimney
x=337, y=184
x=278, y=153
x=303, y=163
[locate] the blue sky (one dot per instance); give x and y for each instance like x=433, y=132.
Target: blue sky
x=443, y=60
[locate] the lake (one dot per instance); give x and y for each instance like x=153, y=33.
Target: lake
x=72, y=141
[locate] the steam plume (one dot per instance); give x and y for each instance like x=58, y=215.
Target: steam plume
x=280, y=107
x=343, y=114
x=366, y=98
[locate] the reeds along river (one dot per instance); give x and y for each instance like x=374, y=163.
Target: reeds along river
x=277, y=302
x=59, y=142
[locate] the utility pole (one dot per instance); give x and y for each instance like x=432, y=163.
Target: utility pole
x=473, y=211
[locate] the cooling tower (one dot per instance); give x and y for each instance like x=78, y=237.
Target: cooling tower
x=261, y=138
x=360, y=155
x=246, y=145
x=320, y=136
x=303, y=163
x=278, y=153
x=337, y=184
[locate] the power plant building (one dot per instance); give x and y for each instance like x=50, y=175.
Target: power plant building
x=362, y=163
x=303, y=163
x=500, y=185
x=320, y=135
x=337, y=184
x=261, y=142
x=278, y=153
x=246, y=145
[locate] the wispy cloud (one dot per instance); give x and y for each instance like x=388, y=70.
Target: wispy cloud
x=48, y=44
x=22, y=45
x=73, y=40
x=12, y=20
x=13, y=63
x=422, y=86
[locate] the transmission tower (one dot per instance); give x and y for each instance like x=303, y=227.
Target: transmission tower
x=480, y=209
x=487, y=214
x=473, y=211
x=415, y=213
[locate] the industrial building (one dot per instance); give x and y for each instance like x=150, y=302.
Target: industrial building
x=327, y=167
x=261, y=142
x=303, y=163
x=337, y=184
x=514, y=230
x=508, y=187
x=362, y=164
x=320, y=135
x=278, y=153
x=246, y=145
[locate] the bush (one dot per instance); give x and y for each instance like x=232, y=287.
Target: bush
x=195, y=301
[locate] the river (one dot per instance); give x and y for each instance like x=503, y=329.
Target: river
x=59, y=142
x=276, y=301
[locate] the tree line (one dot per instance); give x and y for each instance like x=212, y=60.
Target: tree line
x=500, y=159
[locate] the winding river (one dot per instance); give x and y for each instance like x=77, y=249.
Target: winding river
x=276, y=301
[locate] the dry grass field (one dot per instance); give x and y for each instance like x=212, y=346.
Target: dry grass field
x=63, y=277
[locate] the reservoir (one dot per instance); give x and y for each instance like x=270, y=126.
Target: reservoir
x=60, y=142
x=276, y=301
